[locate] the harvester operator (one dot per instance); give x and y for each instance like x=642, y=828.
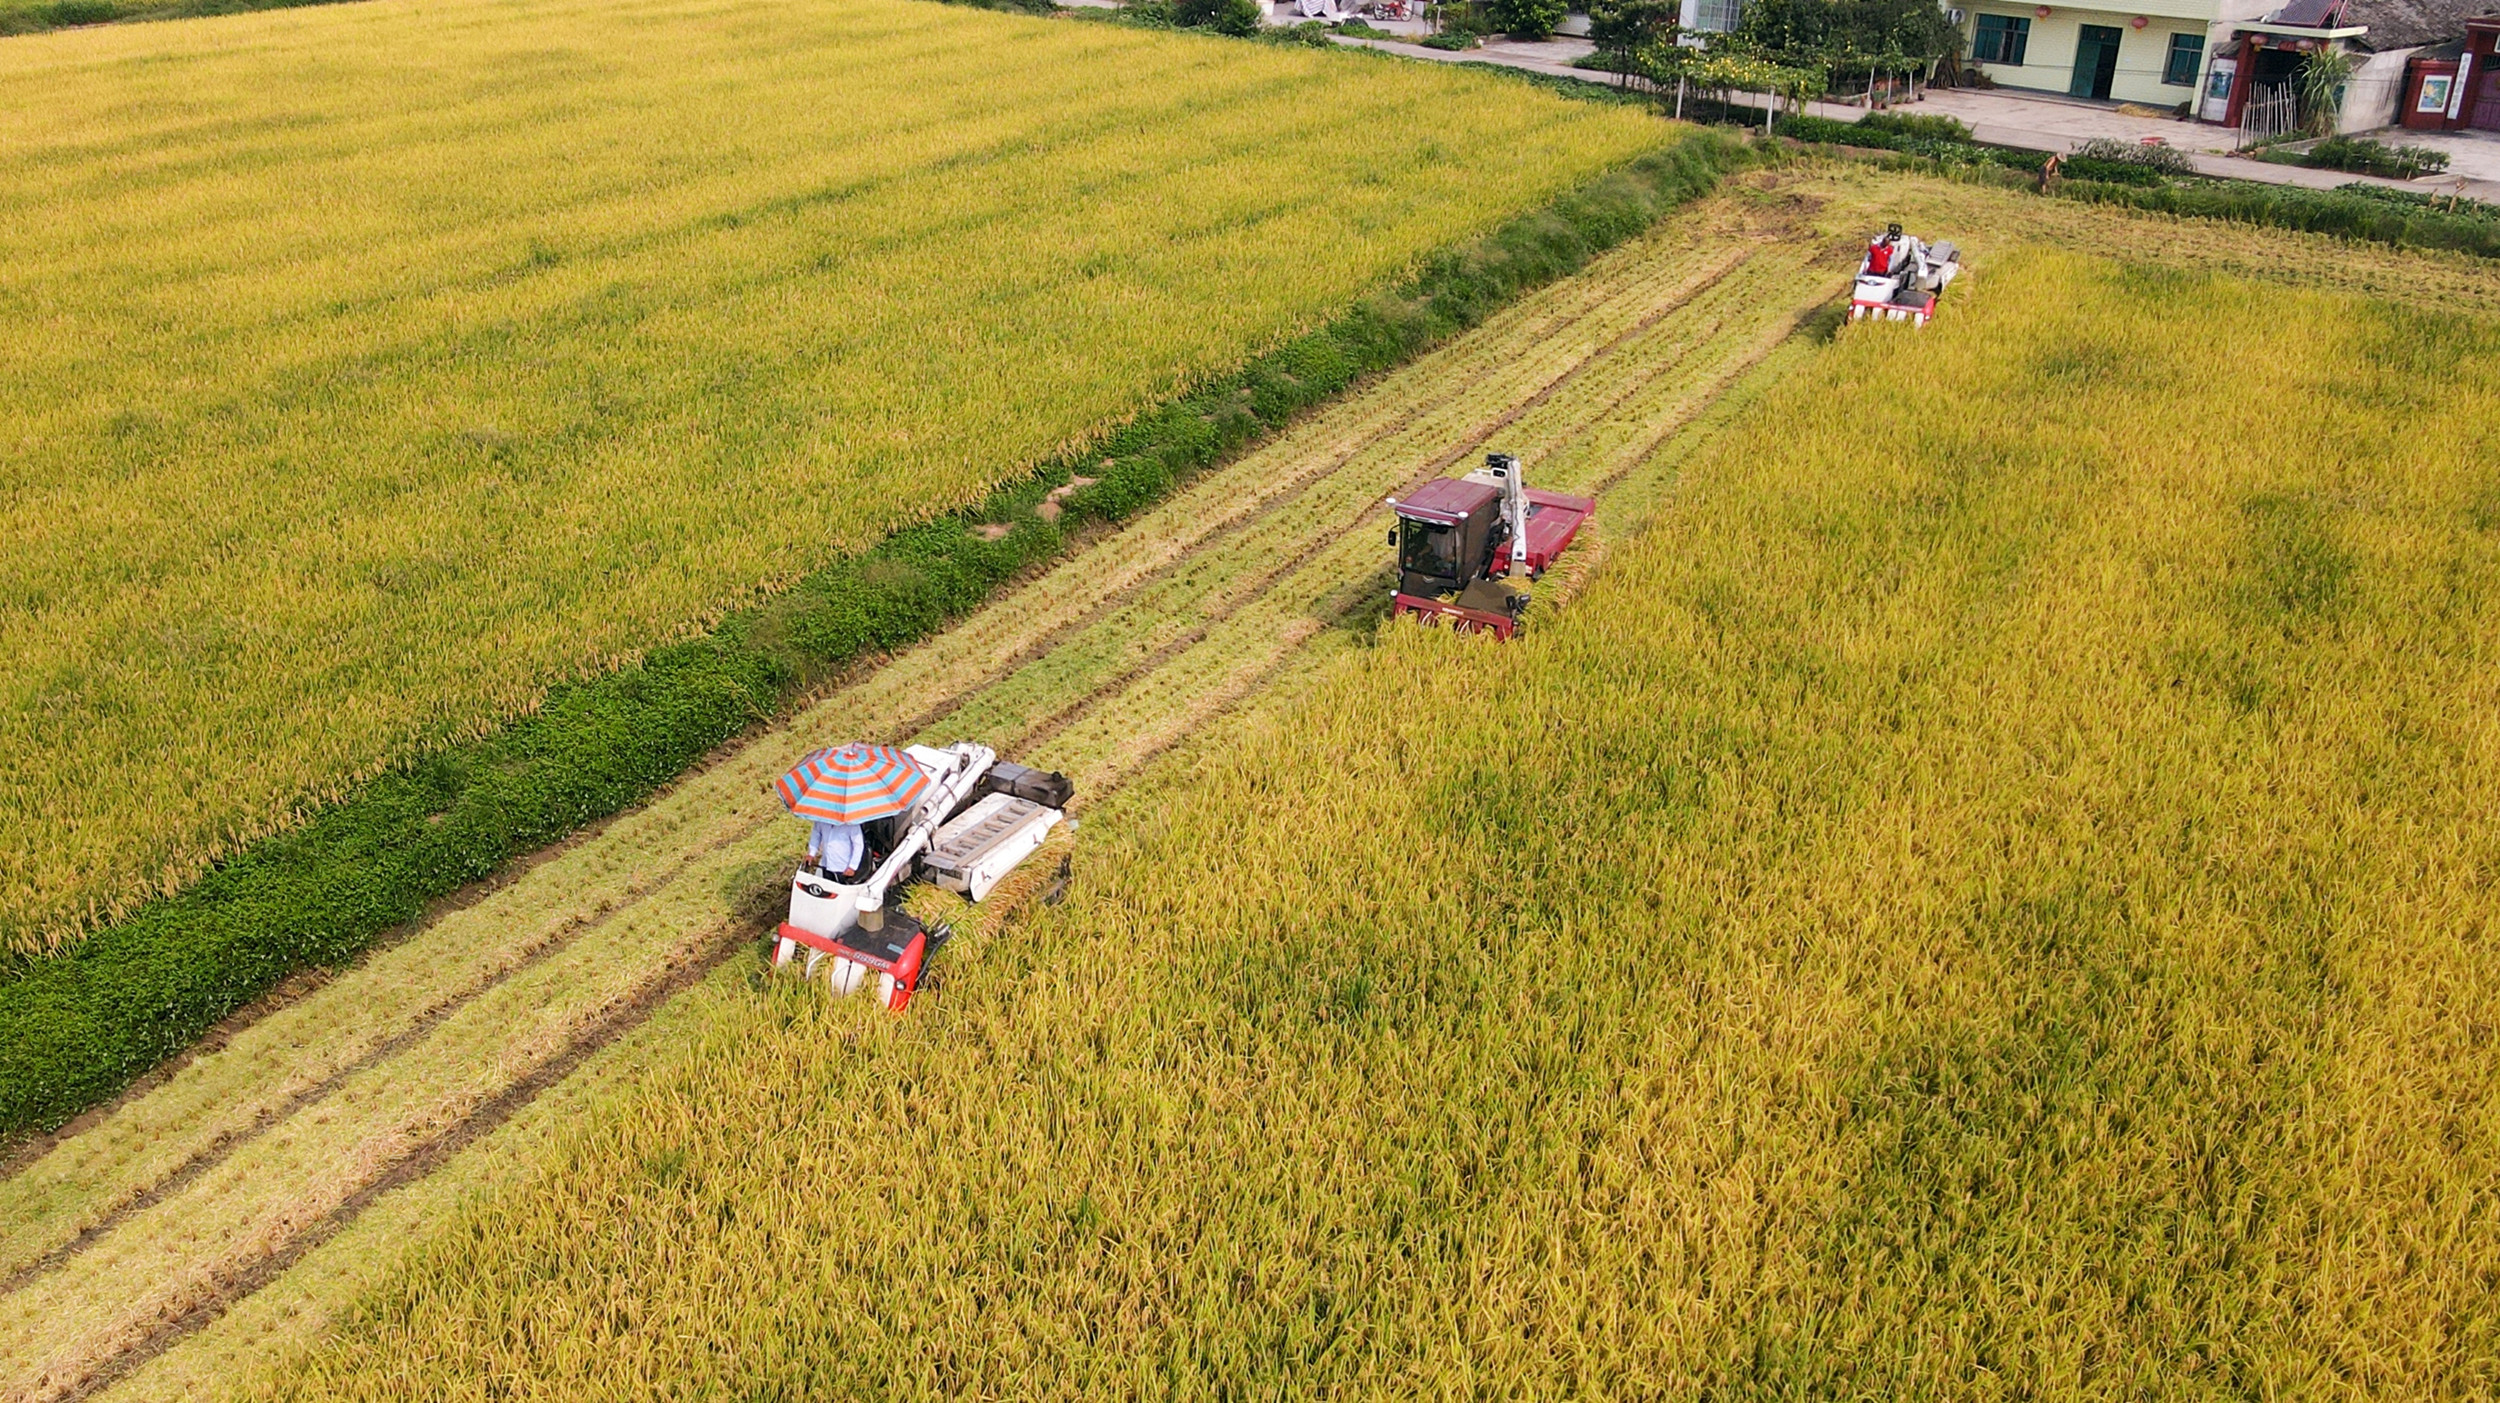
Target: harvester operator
x=834, y=848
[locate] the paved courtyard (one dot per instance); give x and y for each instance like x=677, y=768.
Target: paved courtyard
x=2473, y=155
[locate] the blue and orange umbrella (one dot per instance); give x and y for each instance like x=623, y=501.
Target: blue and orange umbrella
x=852, y=783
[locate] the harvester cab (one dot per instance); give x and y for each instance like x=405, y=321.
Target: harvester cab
x=1901, y=277
x=976, y=821
x=1464, y=544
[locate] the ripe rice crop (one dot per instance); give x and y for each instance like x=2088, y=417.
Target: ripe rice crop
x=368, y=368
x=261, y=1147
x=1988, y=894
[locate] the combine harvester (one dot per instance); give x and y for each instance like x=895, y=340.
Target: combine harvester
x=1901, y=277
x=965, y=820
x=1463, y=543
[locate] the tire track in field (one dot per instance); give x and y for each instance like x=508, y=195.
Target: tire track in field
x=238, y=1280
x=1220, y=528
x=1260, y=585
x=423, y=1160
x=560, y=938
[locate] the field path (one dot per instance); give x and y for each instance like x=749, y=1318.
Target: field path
x=232, y=1209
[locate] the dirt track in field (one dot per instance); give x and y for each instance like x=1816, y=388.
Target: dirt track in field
x=134, y=1248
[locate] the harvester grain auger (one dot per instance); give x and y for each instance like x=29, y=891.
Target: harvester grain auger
x=1464, y=543
x=973, y=822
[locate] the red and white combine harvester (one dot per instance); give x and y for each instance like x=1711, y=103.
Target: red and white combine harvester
x=1901, y=277
x=956, y=817
x=1463, y=543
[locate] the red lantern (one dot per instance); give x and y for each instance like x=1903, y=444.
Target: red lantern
x=2139, y=21
x=2042, y=12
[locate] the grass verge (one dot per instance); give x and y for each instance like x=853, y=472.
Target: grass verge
x=82, y=1025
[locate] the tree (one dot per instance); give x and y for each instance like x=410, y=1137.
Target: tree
x=1527, y=19
x=1239, y=17
x=1622, y=28
x=1726, y=68
x=1782, y=28
x=1849, y=35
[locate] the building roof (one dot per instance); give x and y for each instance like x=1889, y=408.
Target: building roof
x=2392, y=24
x=2309, y=14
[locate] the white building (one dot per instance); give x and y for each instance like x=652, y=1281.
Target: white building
x=2155, y=54
x=2212, y=55
x=1709, y=16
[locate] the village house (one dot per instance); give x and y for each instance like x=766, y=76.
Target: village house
x=2455, y=85
x=2213, y=59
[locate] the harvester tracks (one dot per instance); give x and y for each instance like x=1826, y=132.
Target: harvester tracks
x=527, y=956
x=1195, y=611
x=418, y=1163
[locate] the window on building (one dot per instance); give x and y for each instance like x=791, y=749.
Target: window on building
x=1717, y=16
x=2187, y=51
x=2001, y=39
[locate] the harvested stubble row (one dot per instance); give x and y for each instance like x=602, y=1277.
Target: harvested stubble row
x=2004, y=917
x=1104, y=661
x=366, y=369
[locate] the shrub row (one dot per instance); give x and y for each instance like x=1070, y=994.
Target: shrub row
x=77, y=1027
x=2482, y=211
x=2362, y=156
x=2339, y=212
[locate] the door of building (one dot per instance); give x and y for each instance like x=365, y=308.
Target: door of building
x=2096, y=62
x=2484, y=111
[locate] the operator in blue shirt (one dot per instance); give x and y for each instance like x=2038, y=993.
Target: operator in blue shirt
x=834, y=848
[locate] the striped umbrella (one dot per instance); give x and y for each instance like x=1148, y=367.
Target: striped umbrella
x=852, y=783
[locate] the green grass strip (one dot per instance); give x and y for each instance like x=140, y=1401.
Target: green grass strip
x=81, y=1025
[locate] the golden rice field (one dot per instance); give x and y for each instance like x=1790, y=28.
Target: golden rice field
x=363, y=369
x=273, y=1158
x=1989, y=895
x=1985, y=892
